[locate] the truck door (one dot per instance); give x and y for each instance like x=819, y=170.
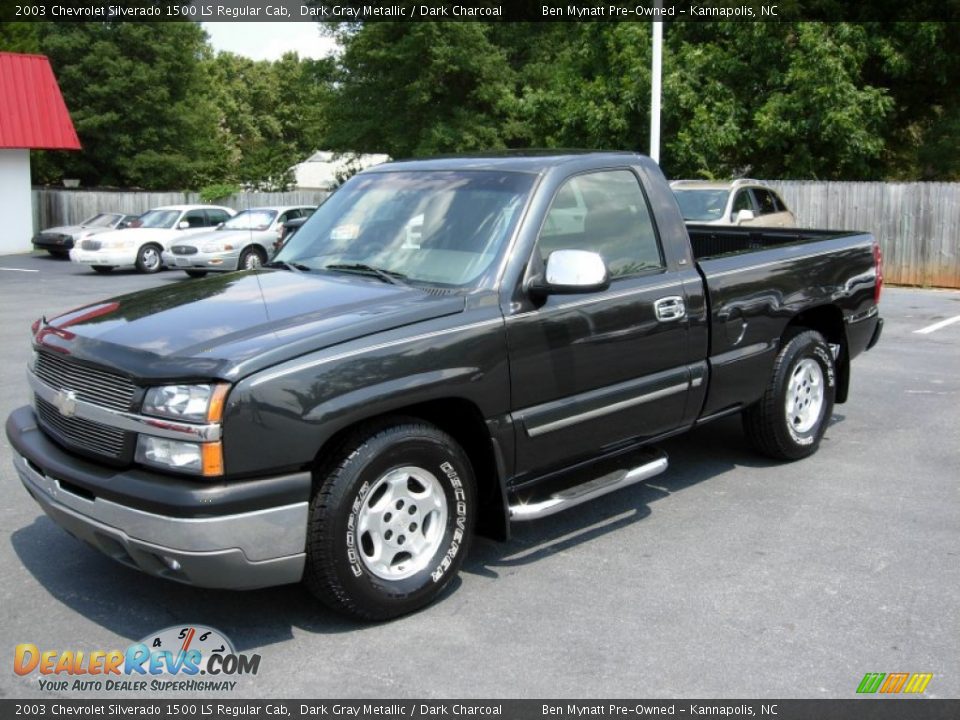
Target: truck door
x=592, y=371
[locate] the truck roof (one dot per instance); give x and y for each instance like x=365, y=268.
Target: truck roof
x=526, y=161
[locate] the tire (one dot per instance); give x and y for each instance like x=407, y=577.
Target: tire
x=390, y=521
x=792, y=415
x=251, y=258
x=102, y=269
x=196, y=273
x=148, y=259
x=59, y=254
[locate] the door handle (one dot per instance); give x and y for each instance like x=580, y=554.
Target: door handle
x=669, y=308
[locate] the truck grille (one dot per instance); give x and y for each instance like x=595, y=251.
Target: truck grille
x=80, y=433
x=99, y=387
x=91, y=244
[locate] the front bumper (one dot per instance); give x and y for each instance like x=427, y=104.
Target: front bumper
x=110, y=258
x=242, y=535
x=212, y=262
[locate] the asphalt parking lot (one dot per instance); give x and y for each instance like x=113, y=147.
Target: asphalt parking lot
x=728, y=576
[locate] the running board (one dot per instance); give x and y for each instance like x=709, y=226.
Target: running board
x=585, y=492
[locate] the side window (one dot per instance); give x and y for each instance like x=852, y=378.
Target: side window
x=778, y=202
x=764, y=201
x=215, y=217
x=741, y=201
x=605, y=212
x=195, y=218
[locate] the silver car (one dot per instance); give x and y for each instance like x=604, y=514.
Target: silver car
x=58, y=241
x=243, y=242
x=736, y=202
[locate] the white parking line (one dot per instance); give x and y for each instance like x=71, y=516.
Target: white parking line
x=18, y=269
x=937, y=326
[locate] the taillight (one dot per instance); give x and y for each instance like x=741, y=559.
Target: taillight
x=878, y=262
x=35, y=328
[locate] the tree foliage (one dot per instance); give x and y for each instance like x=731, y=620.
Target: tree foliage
x=791, y=99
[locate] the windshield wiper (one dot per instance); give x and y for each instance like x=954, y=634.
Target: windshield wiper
x=295, y=267
x=388, y=276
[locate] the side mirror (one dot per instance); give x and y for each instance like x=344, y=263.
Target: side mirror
x=744, y=216
x=572, y=272
x=183, y=225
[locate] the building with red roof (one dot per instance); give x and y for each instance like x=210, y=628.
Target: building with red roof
x=32, y=116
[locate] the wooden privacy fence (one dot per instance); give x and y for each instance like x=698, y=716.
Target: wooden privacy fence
x=66, y=207
x=918, y=224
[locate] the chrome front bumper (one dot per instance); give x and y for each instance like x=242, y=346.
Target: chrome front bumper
x=243, y=551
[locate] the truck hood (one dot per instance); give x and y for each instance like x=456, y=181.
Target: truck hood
x=230, y=325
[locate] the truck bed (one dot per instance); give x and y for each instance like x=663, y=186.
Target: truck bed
x=712, y=241
x=757, y=279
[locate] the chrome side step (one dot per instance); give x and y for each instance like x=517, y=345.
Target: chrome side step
x=585, y=492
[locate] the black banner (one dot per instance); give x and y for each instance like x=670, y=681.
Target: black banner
x=855, y=709
x=476, y=10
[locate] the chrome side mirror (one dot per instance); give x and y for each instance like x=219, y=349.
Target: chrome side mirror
x=572, y=271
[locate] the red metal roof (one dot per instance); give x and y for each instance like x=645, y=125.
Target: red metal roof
x=32, y=111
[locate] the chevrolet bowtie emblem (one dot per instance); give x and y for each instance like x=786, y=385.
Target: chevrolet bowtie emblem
x=66, y=402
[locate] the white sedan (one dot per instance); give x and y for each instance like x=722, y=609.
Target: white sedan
x=142, y=244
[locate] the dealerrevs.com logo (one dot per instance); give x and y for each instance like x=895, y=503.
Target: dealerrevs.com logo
x=179, y=658
x=892, y=683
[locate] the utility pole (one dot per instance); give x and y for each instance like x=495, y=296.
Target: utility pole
x=655, y=71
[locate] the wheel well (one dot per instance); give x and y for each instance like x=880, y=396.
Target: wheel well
x=256, y=247
x=463, y=421
x=828, y=321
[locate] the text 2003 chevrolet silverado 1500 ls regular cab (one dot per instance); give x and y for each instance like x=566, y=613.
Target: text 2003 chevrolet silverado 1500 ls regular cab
x=445, y=346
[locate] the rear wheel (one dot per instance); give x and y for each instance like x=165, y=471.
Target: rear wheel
x=790, y=419
x=61, y=254
x=390, y=521
x=102, y=269
x=148, y=259
x=251, y=258
x=196, y=273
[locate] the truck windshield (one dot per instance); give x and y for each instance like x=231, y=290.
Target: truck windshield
x=703, y=204
x=433, y=227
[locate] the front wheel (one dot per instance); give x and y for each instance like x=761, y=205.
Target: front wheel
x=251, y=258
x=390, y=521
x=148, y=259
x=196, y=273
x=102, y=269
x=791, y=417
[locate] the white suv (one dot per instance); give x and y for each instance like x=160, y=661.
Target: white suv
x=737, y=202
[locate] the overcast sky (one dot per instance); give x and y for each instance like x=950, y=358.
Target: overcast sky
x=269, y=40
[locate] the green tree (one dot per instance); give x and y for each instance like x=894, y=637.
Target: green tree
x=412, y=89
x=141, y=102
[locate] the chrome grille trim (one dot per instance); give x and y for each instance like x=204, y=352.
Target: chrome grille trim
x=82, y=433
x=99, y=387
x=128, y=421
x=91, y=245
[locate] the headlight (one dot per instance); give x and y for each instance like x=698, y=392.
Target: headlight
x=194, y=458
x=192, y=403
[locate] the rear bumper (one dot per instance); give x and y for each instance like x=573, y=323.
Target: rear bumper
x=253, y=548
x=877, y=331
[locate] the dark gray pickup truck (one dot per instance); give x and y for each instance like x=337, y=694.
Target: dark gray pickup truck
x=445, y=347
